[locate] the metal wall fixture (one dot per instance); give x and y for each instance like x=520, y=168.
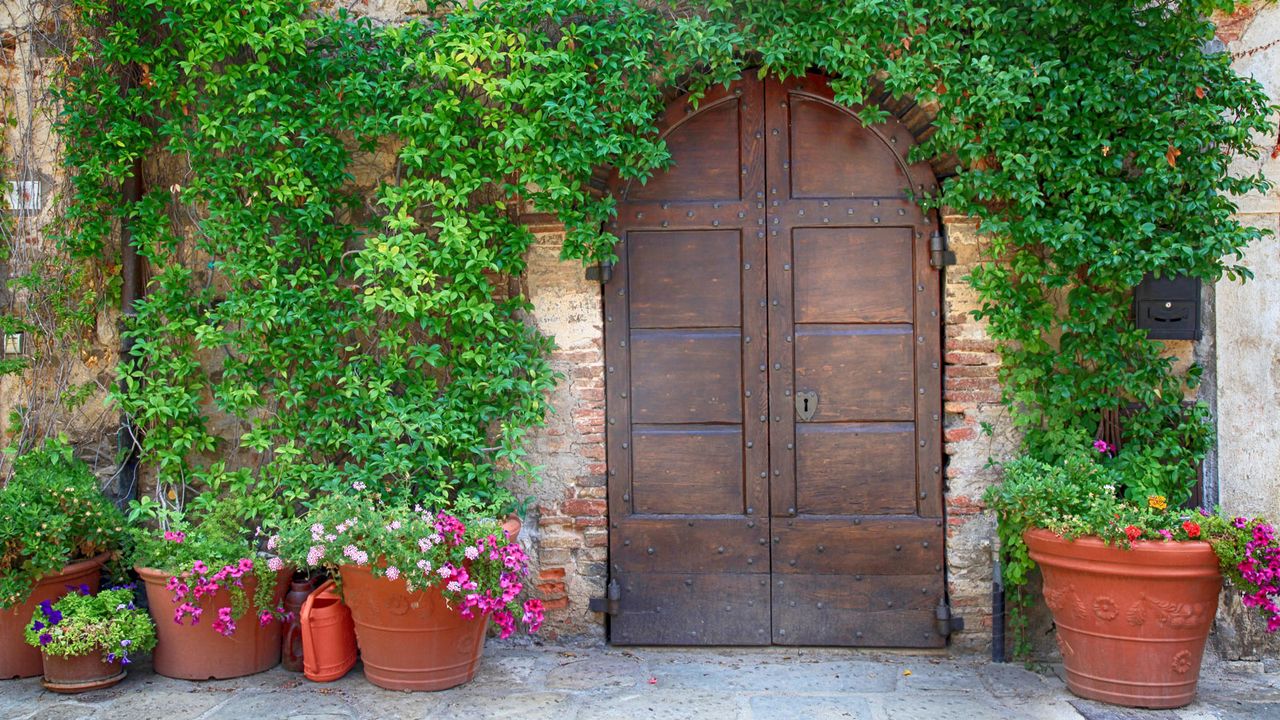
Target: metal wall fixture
x=14, y=345
x=1168, y=308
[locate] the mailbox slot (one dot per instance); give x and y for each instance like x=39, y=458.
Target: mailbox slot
x=1168, y=308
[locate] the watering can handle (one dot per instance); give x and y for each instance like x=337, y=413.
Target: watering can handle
x=291, y=636
x=303, y=625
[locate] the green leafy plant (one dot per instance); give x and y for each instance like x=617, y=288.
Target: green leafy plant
x=1085, y=494
x=81, y=623
x=54, y=515
x=383, y=343
x=479, y=569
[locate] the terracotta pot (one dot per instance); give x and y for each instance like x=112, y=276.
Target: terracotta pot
x=198, y=652
x=80, y=673
x=410, y=641
x=1132, y=624
x=512, y=525
x=328, y=635
x=17, y=658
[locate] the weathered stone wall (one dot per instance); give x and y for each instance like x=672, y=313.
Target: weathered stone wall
x=971, y=401
x=567, y=529
x=1247, y=341
x=35, y=405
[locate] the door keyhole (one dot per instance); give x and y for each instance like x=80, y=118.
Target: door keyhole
x=806, y=405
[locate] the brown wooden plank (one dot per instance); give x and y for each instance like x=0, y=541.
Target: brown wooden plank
x=860, y=372
x=686, y=278
x=693, y=544
x=853, y=469
x=866, y=545
x=781, y=365
x=687, y=470
x=706, y=158
x=692, y=609
x=846, y=275
x=866, y=611
x=833, y=155
x=687, y=376
x=755, y=320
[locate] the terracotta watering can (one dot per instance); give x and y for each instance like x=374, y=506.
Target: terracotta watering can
x=328, y=636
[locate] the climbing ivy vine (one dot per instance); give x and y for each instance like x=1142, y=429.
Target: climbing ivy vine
x=377, y=341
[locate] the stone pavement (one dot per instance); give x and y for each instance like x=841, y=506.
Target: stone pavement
x=570, y=683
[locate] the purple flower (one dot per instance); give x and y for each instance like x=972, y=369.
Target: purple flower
x=1102, y=446
x=126, y=642
x=84, y=589
x=45, y=639
x=124, y=660
x=37, y=625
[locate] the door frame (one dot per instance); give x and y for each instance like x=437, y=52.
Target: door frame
x=898, y=138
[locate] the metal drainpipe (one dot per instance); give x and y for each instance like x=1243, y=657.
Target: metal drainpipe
x=130, y=292
x=997, y=605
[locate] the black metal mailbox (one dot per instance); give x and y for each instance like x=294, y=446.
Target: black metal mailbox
x=1168, y=308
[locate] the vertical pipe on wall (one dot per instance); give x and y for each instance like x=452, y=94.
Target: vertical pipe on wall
x=997, y=605
x=126, y=486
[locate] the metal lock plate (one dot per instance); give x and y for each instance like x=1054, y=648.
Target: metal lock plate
x=806, y=404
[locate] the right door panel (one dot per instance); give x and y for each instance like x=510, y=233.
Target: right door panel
x=854, y=335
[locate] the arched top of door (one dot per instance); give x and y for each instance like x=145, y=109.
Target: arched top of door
x=908, y=124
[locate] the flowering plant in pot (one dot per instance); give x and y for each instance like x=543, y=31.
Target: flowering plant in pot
x=1132, y=584
x=87, y=639
x=216, y=594
x=59, y=530
x=421, y=583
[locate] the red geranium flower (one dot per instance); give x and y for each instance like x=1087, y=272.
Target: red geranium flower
x=1134, y=533
x=1193, y=530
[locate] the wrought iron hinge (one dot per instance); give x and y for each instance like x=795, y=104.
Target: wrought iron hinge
x=940, y=254
x=610, y=605
x=601, y=273
x=944, y=624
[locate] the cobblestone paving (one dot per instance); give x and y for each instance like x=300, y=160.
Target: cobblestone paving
x=567, y=683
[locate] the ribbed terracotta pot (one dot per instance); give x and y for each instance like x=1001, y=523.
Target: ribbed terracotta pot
x=413, y=640
x=1132, y=624
x=80, y=673
x=17, y=658
x=198, y=652
x=410, y=640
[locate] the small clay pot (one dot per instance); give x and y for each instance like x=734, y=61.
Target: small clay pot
x=17, y=658
x=80, y=673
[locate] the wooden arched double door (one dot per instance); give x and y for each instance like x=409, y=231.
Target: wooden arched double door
x=773, y=382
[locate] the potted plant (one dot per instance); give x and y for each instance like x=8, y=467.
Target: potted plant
x=58, y=530
x=422, y=584
x=1132, y=585
x=86, y=639
x=215, y=595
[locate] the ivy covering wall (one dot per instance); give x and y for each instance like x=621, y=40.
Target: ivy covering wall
x=1093, y=141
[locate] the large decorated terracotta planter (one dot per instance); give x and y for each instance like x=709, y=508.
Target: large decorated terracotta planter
x=17, y=658
x=410, y=640
x=198, y=652
x=1132, y=624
